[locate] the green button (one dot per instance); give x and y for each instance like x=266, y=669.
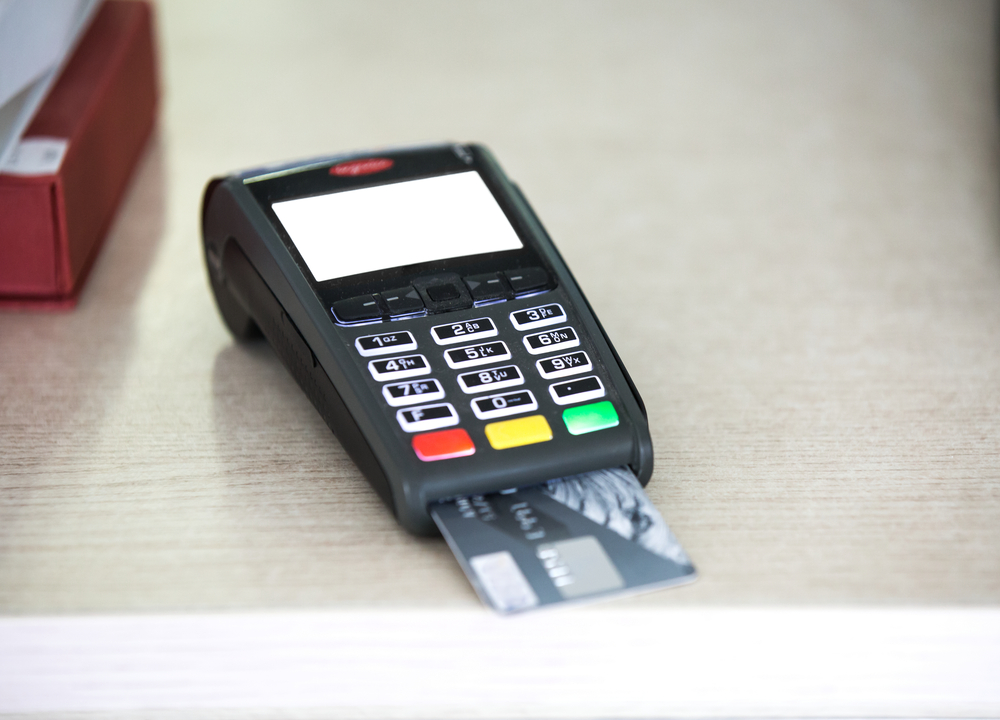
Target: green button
x=590, y=418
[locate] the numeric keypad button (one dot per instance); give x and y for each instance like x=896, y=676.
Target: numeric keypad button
x=492, y=379
x=472, y=355
x=427, y=417
x=578, y=390
x=559, y=366
x=548, y=341
x=536, y=317
x=504, y=404
x=385, y=343
x=399, y=368
x=464, y=331
x=412, y=392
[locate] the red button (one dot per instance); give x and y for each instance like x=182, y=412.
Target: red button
x=443, y=444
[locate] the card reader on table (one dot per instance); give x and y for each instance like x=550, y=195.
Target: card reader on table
x=416, y=299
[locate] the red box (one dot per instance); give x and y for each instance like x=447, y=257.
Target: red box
x=104, y=104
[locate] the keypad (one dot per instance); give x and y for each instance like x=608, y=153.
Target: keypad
x=403, y=301
x=399, y=368
x=491, y=379
x=582, y=419
x=442, y=292
x=385, y=343
x=412, y=392
x=487, y=287
x=564, y=365
x=575, y=391
x=443, y=445
x=548, y=341
x=527, y=279
x=537, y=317
x=517, y=433
x=504, y=404
x=427, y=417
x=497, y=388
x=357, y=309
x=451, y=333
x=473, y=355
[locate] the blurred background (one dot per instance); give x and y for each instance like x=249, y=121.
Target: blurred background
x=784, y=213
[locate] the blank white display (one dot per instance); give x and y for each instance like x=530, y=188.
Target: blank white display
x=358, y=231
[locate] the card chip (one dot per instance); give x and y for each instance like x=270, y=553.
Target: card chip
x=503, y=582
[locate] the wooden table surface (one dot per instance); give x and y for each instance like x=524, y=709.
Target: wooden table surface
x=787, y=216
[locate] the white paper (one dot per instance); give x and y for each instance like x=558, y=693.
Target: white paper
x=36, y=156
x=36, y=37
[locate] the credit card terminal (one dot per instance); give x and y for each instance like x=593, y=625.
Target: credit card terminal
x=416, y=299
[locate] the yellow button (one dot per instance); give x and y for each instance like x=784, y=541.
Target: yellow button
x=514, y=433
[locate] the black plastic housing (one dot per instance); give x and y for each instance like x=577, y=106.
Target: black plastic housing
x=260, y=283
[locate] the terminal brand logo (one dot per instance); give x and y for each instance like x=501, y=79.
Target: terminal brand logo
x=361, y=167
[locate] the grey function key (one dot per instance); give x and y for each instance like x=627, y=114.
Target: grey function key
x=487, y=287
x=403, y=301
x=526, y=280
x=362, y=308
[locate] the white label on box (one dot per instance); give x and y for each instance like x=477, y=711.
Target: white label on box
x=36, y=156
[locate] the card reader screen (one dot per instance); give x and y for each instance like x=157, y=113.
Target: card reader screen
x=375, y=228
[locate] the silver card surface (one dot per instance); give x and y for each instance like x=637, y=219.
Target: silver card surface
x=576, y=538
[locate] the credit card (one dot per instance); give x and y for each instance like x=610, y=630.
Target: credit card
x=573, y=539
